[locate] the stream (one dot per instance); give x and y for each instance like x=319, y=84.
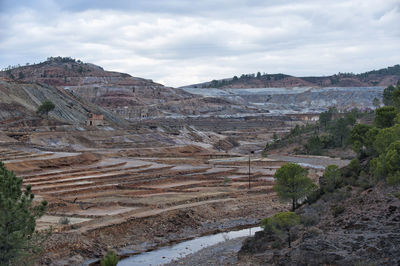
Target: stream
x=167, y=254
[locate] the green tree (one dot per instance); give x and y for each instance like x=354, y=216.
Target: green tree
x=110, y=259
x=331, y=179
x=385, y=137
x=376, y=103
x=45, y=108
x=340, y=132
x=396, y=98
x=18, y=239
x=359, y=140
x=325, y=118
x=281, y=223
x=292, y=183
x=385, y=116
x=314, y=145
x=387, y=95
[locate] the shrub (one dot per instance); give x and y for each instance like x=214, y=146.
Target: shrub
x=331, y=179
x=110, y=259
x=337, y=210
x=309, y=220
x=281, y=223
x=64, y=220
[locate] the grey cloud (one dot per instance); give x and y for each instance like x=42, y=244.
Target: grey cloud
x=180, y=42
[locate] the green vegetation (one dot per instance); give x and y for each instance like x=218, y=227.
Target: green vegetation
x=45, y=108
x=292, y=184
x=337, y=210
x=18, y=214
x=244, y=77
x=280, y=224
x=385, y=116
x=379, y=146
x=110, y=259
x=331, y=180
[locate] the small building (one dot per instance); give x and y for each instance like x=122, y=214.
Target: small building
x=95, y=120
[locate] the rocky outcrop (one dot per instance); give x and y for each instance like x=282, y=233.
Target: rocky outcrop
x=365, y=232
x=20, y=100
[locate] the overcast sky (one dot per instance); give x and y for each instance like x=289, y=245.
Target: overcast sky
x=180, y=42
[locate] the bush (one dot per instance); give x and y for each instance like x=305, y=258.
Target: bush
x=331, y=179
x=280, y=224
x=337, y=210
x=64, y=220
x=110, y=259
x=309, y=220
x=393, y=179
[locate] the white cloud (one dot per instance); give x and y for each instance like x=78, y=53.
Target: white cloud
x=181, y=42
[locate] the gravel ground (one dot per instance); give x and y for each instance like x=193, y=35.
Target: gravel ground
x=224, y=253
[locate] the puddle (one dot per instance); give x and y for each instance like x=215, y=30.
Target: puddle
x=169, y=253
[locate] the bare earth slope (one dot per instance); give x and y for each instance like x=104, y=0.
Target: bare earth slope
x=20, y=100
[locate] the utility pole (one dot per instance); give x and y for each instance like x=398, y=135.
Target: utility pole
x=249, y=167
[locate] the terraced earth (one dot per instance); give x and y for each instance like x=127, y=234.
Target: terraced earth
x=133, y=190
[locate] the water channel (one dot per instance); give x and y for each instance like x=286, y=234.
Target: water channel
x=167, y=254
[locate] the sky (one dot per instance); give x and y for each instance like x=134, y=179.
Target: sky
x=181, y=42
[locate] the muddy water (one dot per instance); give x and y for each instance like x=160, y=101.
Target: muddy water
x=167, y=254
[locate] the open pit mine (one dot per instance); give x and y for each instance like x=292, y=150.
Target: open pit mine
x=134, y=165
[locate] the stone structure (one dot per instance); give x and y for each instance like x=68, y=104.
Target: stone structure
x=95, y=120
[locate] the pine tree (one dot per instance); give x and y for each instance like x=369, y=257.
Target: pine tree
x=292, y=183
x=18, y=239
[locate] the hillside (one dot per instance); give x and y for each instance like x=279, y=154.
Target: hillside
x=365, y=232
x=128, y=96
x=383, y=77
x=20, y=100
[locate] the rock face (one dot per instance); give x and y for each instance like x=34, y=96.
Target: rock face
x=282, y=100
x=365, y=232
x=19, y=102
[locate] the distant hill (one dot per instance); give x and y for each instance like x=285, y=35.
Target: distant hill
x=129, y=97
x=382, y=77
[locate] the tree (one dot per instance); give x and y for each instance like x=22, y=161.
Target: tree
x=110, y=259
x=387, y=95
x=385, y=137
x=396, y=98
x=340, y=131
x=324, y=118
x=358, y=138
x=376, y=103
x=18, y=215
x=331, y=179
x=385, y=116
x=45, y=108
x=281, y=223
x=314, y=145
x=292, y=183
